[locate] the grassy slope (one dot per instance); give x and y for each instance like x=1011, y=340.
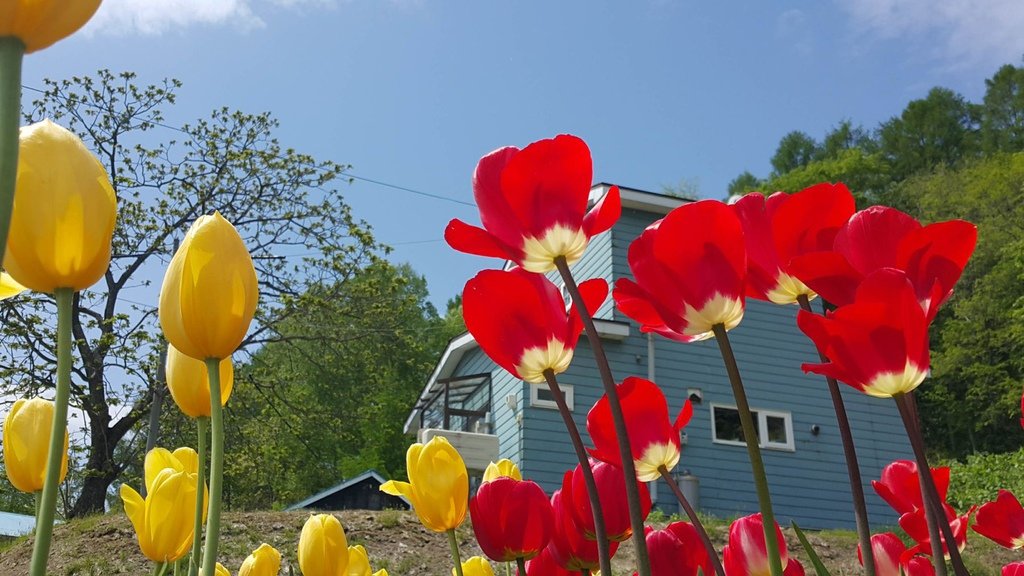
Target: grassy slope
x=396, y=541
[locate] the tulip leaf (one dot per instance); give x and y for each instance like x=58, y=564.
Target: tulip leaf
x=819, y=568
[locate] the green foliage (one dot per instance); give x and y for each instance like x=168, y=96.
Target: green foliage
x=940, y=129
x=980, y=477
x=972, y=401
x=745, y=182
x=796, y=149
x=867, y=175
x=1002, y=113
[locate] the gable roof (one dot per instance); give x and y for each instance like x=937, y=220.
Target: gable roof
x=338, y=488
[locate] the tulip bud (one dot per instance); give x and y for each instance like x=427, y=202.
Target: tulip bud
x=209, y=293
x=163, y=521
x=476, y=566
x=63, y=215
x=39, y=24
x=264, y=561
x=438, y=484
x=503, y=468
x=323, y=548
x=189, y=383
x=27, y=430
x=358, y=561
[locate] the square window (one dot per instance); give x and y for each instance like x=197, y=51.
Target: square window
x=774, y=429
x=541, y=396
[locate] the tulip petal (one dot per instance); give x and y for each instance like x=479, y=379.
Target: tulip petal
x=547, y=183
x=870, y=239
x=9, y=287
x=473, y=240
x=829, y=274
x=604, y=214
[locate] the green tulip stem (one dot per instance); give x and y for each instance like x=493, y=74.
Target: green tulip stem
x=860, y=509
x=934, y=510
x=55, y=455
x=521, y=564
x=764, y=498
x=454, y=543
x=694, y=520
x=177, y=567
x=600, y=531
x=216, y=468
x=203, y=427
x=11, y=52
x=636, y=517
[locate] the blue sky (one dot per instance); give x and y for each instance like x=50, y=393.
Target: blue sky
x=413, y=92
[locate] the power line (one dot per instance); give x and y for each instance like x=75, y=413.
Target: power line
x=345, y=173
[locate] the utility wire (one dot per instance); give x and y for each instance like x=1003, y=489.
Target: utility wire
x=345, y=173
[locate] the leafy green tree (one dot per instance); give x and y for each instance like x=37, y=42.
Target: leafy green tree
x=867, y=175
x=972, y=401
x=796, y=149
x=845, y=136
x=745, y=182
x=300, y=232
x=940, y=129
x=1002, y=112
x=308, y=411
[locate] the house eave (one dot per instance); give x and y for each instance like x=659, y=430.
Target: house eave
x=457, y=348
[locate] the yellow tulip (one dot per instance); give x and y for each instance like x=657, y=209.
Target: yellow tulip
x=26, y=443
x=438, y=486
x=40, y=23
x=189, y=383
x=381, y=572
x=503, y=468
x=264, y=561
x=323, y=549
x=183, y=459
x=358, y=562
x=209, y=293
x=163, y=520
x=9, y=287
x=63, y=215
x=220, y=570
x=476, y=566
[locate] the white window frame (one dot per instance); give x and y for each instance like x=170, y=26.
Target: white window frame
x=537, y=402
x=762, y=428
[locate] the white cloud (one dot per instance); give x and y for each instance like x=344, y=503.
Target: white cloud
x=153, y=17
x=961, y=33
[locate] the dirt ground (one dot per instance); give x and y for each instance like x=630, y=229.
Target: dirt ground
x=394, y=540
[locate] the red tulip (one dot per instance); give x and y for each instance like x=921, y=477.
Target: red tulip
x=786, y=225
x=519, y=319
x=919, y=566
x=569, y=547
x=1014, y=569
x=611, y=491
x=889, y=552
x=1002, y=521
x=544, y=565
x=690, y=269
x=932, y=256
x=677, y=551
x=533, y=205
x=916, y=526
x=747, y=554
x=900, y=485
x=653, y=439
x=878, y=343
x=511, y=519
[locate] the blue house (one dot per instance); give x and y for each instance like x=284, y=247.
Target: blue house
x=489, y=414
